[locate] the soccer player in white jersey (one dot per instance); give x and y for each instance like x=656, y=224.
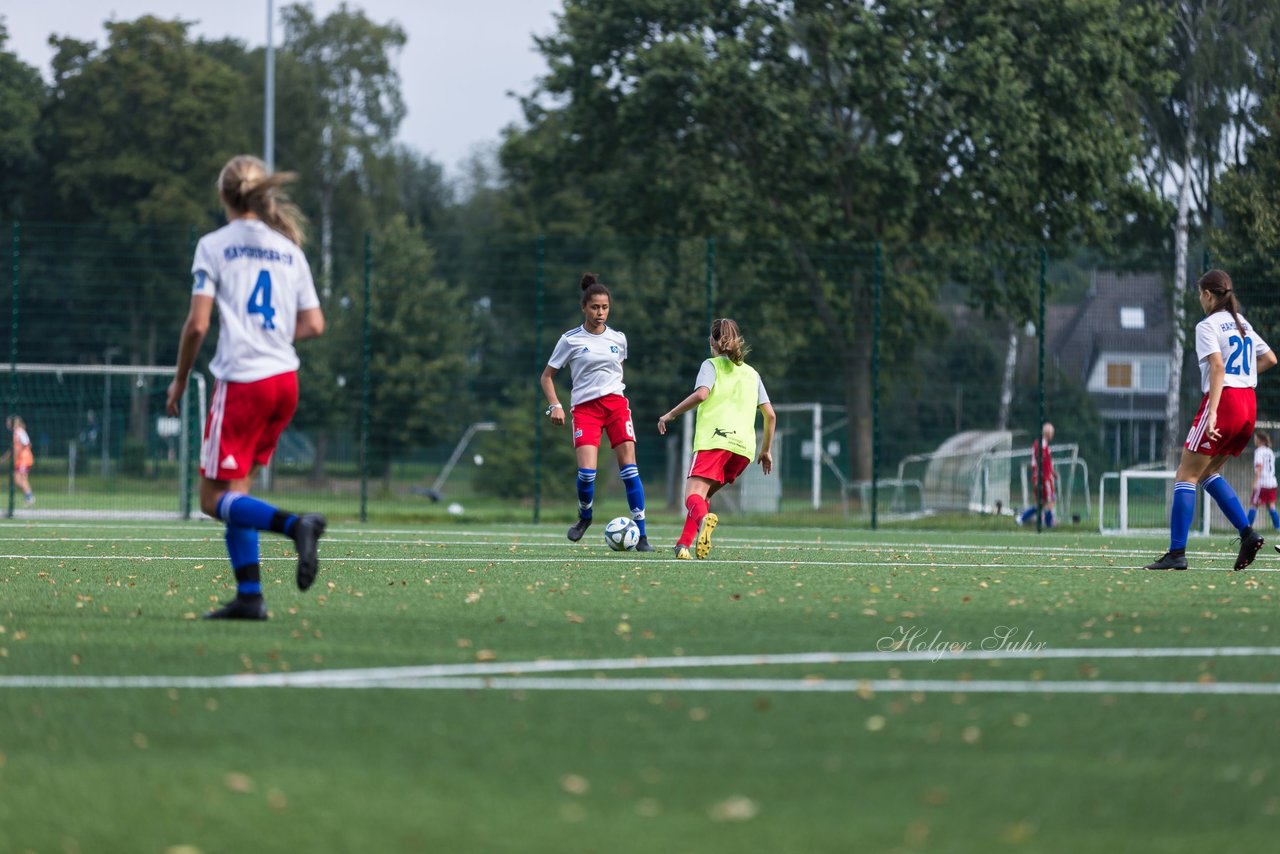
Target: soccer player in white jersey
x=1264, y=480
x=594, y=354
x=1231, y=355
x=255, y=270
x=727, y=394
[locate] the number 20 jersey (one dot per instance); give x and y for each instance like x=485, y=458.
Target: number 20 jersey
x=1217, y=334
x=260, y=281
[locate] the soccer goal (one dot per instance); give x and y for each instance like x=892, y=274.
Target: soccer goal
x=970, y=472
x=103, y=445
x=806, y=470
x=1136, y=501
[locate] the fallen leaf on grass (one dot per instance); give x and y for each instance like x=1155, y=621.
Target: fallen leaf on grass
x=575, y=784
x=735, y=808
x=237, y=782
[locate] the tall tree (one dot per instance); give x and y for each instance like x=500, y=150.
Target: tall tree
x=821, y=122
x=134, y=133
x=21, y=94
x=350, y=63
x=1199, y=126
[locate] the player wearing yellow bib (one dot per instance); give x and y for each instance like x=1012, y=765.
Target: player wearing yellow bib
x=727, y=394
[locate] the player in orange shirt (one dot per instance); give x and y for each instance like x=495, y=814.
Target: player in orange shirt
x=23, y=459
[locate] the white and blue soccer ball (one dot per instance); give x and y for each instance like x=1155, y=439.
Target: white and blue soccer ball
x=621, y=534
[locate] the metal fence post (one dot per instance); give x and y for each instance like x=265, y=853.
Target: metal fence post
x=13, y=343
x=711, y=282
x=539, y=289
x=365, y=378
x=1044, y=267
x=186, y=480
x=877, y=288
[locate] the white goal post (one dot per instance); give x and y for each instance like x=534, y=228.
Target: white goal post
x=105, y=427
x=810, y=446
x=1152, y=516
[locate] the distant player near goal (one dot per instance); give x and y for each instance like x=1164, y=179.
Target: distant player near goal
x=23, y=459
x=1231, y=355
x=727, y=394
x=1042, y=477
x=255, y=269
x=1264, y=480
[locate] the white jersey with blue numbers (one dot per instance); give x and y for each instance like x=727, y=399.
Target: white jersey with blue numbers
x=1217, y=333
x=260, y=280
x=595, y=362
x=1264, y=463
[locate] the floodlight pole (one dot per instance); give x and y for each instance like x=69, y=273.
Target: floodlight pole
x=269, y=110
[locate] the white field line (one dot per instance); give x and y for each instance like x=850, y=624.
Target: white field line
x=506, y=539
x=519, y=540
x=617, y=559
x=834, y=686
x=424, y=675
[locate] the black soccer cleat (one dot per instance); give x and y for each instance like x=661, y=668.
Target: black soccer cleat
x=306, y=536
x=239, y=609
x=643, y=545
x=1170, y=560
x=1249, y=548
x=579, y=528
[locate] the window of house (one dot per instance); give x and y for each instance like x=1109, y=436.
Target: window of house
x=1119, y=375
x=1133, y=317
x=1154, y=375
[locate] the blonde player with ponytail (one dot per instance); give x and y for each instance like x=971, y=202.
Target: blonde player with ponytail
x=727, y=394
x=255, y=270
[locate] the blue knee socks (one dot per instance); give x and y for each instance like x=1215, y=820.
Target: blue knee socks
x=586, y=492
x=242, y=548
x=1225, y=496
x=236, y=508
x=245, y=516
x=1253, y=514
x=1275, y=519
x=635, y=493
x=1181, y=512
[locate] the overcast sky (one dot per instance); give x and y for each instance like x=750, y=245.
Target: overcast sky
x=461, y=60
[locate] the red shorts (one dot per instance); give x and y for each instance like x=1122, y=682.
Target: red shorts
x=719, y=465
x=1264, y=496
x=1237, y=411
x=611, y=414
x=245, y=422
x=1047, y=495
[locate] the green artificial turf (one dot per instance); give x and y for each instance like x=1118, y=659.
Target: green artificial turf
x=407, y=765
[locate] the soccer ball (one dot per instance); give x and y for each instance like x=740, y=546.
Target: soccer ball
x=621, y=534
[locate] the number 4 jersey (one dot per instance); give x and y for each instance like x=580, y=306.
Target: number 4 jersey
x=1217, y=333
x=260, y=280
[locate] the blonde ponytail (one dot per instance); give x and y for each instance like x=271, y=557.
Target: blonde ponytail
x=245, y=186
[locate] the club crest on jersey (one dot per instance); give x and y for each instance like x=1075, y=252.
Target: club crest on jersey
x=577, y=434
x=200, y=279
x=613, y=348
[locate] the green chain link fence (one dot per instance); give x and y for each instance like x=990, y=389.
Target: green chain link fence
x=909, y=380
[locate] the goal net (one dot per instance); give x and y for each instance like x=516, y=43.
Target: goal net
x=103, y=445
x=978, y=471
x=970, y=472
